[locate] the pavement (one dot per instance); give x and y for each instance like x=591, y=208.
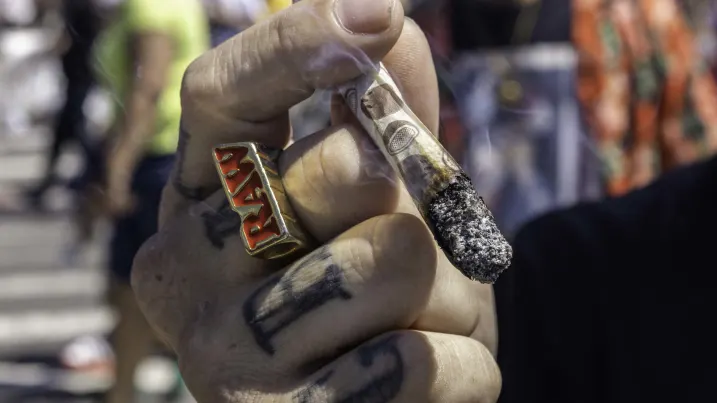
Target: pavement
x=46, y=299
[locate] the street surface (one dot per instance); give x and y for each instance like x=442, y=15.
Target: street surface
x=46, y=299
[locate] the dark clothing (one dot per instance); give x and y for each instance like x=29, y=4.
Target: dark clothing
x=133, y=230
x=70, y=124
x=611, y=301
x=82, y=26
x=481, y=25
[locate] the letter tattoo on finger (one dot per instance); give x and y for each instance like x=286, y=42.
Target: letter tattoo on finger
x=384, y=386
x=221, y=224
x=266, y=320
x=312, y=393
x=382, y=355
x=190, y=193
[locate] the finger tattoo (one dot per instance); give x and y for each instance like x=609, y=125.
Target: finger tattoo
x=384, y=355
x=314, y=391
x=221, y=224
x=295, y=301
x=384, y=386
x=188, y=192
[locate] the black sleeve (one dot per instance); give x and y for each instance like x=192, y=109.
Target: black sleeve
x=81, y=22
x=613, y=301
x=481, y=25
x=82, y=25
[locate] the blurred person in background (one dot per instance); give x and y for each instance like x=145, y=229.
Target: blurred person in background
x=569, y=100
x=703, y=17
x=15, y=13
x=81, y=29
x=605, y=301
x=141, y=55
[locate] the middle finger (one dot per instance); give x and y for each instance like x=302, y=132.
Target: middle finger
x=342, y=288
x=330, y=190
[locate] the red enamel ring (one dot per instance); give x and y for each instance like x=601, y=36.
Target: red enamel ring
x=252, y=184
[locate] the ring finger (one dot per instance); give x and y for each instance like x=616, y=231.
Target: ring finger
x=342, y=289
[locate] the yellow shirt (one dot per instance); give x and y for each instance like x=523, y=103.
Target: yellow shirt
x=277, y=5
x=185, y=22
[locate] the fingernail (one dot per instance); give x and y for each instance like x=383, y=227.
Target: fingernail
x=364, y=16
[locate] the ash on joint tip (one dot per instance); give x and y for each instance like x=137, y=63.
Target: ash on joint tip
x=466, y=231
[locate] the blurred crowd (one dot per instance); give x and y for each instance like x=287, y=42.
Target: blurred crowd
x=547, y=104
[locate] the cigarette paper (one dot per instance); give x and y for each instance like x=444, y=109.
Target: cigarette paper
x=458, y=218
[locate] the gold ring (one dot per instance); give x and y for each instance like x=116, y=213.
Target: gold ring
x=254, y=189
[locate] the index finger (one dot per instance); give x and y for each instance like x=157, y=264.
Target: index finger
x=242, y=90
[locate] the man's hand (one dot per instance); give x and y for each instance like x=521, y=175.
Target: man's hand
x=375, y=314
x=119, y=199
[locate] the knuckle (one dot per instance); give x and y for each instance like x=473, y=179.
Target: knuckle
x=193, y=81
x=415, y=343
x=284, y=33
x=465, y=363
x=340, y=169
x=156, y=288
x=205, y=78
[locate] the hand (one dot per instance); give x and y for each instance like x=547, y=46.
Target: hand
x=119, y=200
x=377, y=313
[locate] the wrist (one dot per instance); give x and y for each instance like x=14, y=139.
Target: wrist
x=119, y=173
x=121, y=163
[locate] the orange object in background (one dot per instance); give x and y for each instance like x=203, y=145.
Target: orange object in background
x=650, y=101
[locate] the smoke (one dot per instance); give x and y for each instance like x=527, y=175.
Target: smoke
x=331, y=58
x=375, y=167
x=319, y=67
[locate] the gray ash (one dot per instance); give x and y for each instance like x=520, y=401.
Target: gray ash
x=467, y=233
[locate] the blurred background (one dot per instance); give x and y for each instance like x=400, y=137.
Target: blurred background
x=547, y=103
